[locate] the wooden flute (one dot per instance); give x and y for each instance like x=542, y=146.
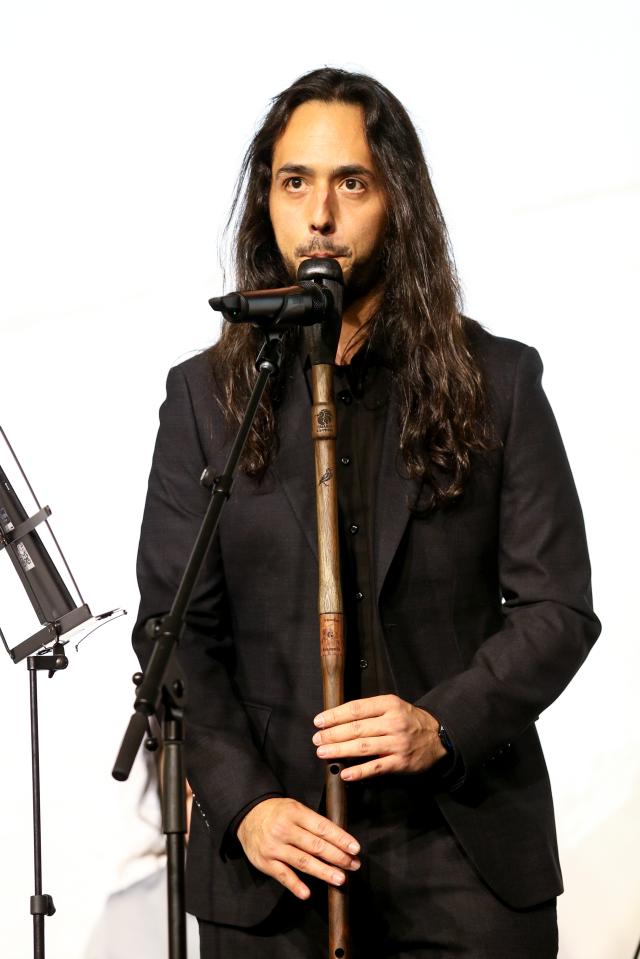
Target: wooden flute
x=321, y=343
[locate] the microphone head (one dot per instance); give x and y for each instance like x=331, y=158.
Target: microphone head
x=230, y=305
x=320, y=268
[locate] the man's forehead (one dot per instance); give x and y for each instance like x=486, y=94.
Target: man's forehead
x=323, y=136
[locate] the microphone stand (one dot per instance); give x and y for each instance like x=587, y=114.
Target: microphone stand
x=41, y=904
x=60, y=617
x=162, y=682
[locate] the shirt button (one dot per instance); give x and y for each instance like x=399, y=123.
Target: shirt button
x=359, y=596
x=363, y=664
x=354, y=528
x=345, y=397
x=345, y=460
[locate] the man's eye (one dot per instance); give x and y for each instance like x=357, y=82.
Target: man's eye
x=293, y=183
x=353, y=185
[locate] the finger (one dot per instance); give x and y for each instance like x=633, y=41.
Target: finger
x=305, y=862
x=355, y=709
x=324, y=850
x=321, y=826
x=377, y=767
x=374, y=746
x=356, y=729
x=288, y=878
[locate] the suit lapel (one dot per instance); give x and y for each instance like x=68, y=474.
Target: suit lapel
x=294, y=465
x=394, y=492
x=295, y=469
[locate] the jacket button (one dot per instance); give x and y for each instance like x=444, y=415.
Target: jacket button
x=359, y=596
x=345, y=460
x=363, y=664
x=500, y=752
x=354, y=528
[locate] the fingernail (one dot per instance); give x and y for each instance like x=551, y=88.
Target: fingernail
x=316, y=739
x=355, y=864
x=337, y=878
x=319, y=720
x=354, y=848
x=322, y=751
x=346, y=774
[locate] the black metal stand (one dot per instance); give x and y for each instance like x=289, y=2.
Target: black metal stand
x=60, y=618
x=174, y=826
x=162, y=682
x=41, y=903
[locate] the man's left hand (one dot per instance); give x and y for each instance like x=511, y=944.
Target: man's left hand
x=402, y=738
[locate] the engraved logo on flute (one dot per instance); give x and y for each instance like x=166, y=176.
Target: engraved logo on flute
x=331, y=638
x=324, y=419
x=327, y=476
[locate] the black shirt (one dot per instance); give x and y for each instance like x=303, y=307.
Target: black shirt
x=362, y=391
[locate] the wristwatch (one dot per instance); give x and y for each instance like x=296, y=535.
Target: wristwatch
x=444, y=738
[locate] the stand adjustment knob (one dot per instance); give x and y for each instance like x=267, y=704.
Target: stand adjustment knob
x=42, y=905
x=208, y=478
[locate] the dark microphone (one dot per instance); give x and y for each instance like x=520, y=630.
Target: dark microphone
x=288, y=306
x=311, y=302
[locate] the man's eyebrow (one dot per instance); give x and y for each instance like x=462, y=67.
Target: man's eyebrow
x=352, y=169
x=348, y=169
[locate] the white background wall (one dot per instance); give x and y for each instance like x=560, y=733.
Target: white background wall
x=122, y=129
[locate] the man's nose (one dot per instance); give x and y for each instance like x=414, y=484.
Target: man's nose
x=322, y=214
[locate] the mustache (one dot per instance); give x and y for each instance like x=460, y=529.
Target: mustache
x=321, y=246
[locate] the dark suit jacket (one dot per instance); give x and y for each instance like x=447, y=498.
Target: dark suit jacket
x=485, y=608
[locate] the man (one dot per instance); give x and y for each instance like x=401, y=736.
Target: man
x=465, y=572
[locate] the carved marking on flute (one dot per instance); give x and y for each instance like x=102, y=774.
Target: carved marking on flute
x=324, y=420
x=330, y=635
x=327, y=476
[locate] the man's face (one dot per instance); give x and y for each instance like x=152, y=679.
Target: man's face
x=325, y=197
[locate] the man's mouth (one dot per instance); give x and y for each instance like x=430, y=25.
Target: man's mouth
x=322, y=252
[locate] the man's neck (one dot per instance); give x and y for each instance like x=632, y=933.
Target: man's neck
x=354, y=325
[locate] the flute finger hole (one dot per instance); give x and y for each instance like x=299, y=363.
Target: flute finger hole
x=339, y=953
x=334, y=768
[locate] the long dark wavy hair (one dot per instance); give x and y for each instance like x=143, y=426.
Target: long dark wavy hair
x=439, y=388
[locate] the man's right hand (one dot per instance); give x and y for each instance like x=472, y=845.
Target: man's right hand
x=281, y=833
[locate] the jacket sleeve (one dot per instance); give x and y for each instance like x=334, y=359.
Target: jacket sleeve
x=223, y=761
x=548, y=623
